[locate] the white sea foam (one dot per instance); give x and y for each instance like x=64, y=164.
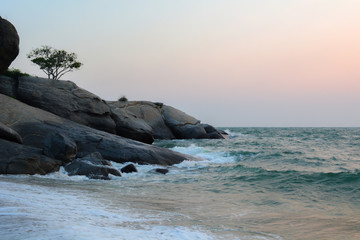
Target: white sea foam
x=233, y=134
x=49, y=212
x=208, y=155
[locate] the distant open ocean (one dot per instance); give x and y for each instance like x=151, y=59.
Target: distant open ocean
x=262, y=183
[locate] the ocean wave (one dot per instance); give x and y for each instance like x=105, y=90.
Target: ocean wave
x=64, y=213
x=247, y=173
x=234, y=134
x=208, y=155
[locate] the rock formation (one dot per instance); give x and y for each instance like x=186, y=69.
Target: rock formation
x=9, y=134
x=21, y=159
x=93, y=166
x=162, y=121
x=9, y=44
x=59, y=146
x=141, y=121
x=34, y=125
x=45, y=124
x=63, y=98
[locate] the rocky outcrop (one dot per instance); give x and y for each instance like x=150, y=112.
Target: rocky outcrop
x=34, y=125
x=9, y=44
x=63, y=98
x=141, y=121
x=20, y=159
x=93, y=166
x=162, y=121
x=9, y=134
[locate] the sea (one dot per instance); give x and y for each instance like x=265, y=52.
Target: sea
x=262, y=183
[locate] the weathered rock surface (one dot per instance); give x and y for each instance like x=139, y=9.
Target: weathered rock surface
x=63, y=98
x=141, y=121
x=129, y=126
x=9, y=134
x=59, y=146
x=9, y=44
x=8, y=86
x=34, y=125
x=20, y=159
x=151, y=113
x=93, y=166
x=129, y=169
x=162, y=121
x=213, y=133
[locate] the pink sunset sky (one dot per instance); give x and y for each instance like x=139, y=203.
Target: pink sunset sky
x=229, y=63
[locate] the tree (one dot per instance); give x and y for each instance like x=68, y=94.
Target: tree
x=55, y=63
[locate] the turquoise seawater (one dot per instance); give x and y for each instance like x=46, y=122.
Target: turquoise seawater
x=262, y=183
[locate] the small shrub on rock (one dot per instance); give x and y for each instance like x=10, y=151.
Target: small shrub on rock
x=123, y=99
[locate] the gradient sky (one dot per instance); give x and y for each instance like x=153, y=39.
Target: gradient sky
x=270, y=63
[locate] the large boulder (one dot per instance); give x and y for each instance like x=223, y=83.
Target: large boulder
x=141, y=119
x=9, y=44
x=93, y=166
x=9, y=134
x=63, y=98
x=151, y=113
x=59, y=146
x=182, y=125
x=20, y=159
x=34, y=125
x=129, y=126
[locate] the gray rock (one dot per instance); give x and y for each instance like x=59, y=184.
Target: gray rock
x=215, y=135
x=34, y=125
x=9, y=134
x=183, y=125
x=93, y=166
x=212, y=133
x=128, y=125
x=63, y=98
x=189, y=131
x=59, y=146
x=224, y=134
x=8, y=86
x=9, y=44
x=160, y=171
x=141, y=121
x=208, y=128
x=152, y=114
x=20, y=159
x=163, y=122
x=175, y=117
x=143, y=117
x=129, y=169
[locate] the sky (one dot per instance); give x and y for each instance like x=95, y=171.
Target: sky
x=229, y=63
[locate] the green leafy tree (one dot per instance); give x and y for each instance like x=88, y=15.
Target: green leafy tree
x=55, y=63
